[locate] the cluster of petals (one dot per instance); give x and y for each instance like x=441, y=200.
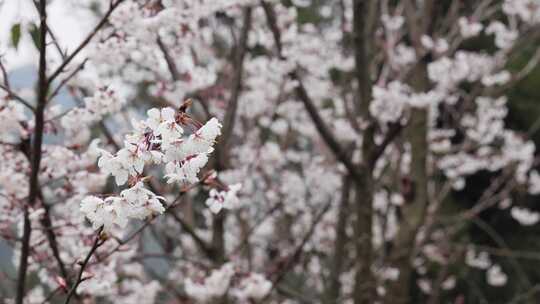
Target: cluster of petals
x=157, y=140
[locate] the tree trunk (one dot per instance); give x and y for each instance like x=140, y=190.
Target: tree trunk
x=365, y=15
x=413, y=211
x=340, y=253
x=364, y=281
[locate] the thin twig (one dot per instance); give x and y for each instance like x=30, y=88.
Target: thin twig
x=113, y=5
x=65, y=80
x=97, y=242
x=295, y=256
x=329, y=138
x=253, y=228
x=4, y=74
x=189, y=230
x=173, y=70
x=17, y=97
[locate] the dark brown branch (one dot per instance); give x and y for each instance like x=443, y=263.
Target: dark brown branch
x=4, y=74
x=14, y=95
x=297, y=253
x=46, y=222
x=51, y=295
x=175, y=75
x=189, y=230
x=43, y=86
x=272, y=23
x=327, y=135
x=51, y=238
x=232, y=105
x=108, y=135
x=218, y=231
x=363, y=23
x=53, y=36
x=393, y=131
x=23, y=261
x=413, y=25
x=302, y=94
x=252, y=229
x=65, y=80
x=7, y=87
x=97, y=242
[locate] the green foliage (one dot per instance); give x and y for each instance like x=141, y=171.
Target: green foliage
x=35, y=34
x=16, y=35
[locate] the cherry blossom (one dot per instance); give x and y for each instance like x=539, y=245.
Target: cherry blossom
x=524, y=216
x=248, y=151
x=496, y=277
x=227, y=199
x=469, y=28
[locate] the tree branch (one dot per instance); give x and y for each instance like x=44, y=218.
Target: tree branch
x=272, y=23
x=43, y=86
x=189, y=230
x=175, y=75
x=14, y=95
x=232, y=105
x=7, y=87
x=218, y=240
x=65, y=80
x=97, y=242
x=340, y=255
x=393, y=131
x=297, y=253
x=329, y=138
x=101, y=23
x=302, y=94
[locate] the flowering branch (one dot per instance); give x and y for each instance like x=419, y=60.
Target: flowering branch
x=147, y=223
x=98, y=241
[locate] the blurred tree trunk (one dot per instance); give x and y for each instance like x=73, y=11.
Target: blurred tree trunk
x=365, y=16
x=413, y=211
x=340, y=253
x=221, y=153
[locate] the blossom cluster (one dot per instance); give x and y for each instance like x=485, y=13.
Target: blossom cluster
x=157, y=140
x=227, y=199
x=250, y=287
